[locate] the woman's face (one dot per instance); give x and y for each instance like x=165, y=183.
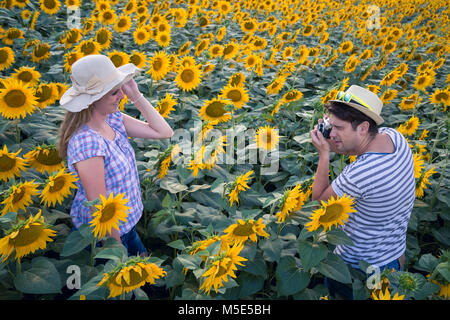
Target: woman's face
x=109, y=103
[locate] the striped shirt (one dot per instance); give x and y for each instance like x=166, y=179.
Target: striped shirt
x=121, y=174
x=383, y=187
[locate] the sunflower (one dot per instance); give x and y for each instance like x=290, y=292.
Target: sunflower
x=58, y=187
x=238, y=185
x=139, y=59
x=249, y=26
x=346, y=46
x=19, y=196
x=308, y=30
x=237, y=79
x=221, y=266
x=27, y=75
x=184, y=49
x=46, y=94
x=103, y=36
x=41, y=52
x=10, y=164
x=166, y=159
x=196, y=163
x=236, y=94
x=224, y=7
x=130, y=7
x=214, y=110
x=69, y=59
x=221, y=33
x=390, y=78
x=10, y=35
x=276, y=85
x=107, y=16
x=422, y=81
x=119, y=58
x=230, y=50
x=88, y=47
x=72, y=36
x=163, y=39
x=44, y=159
x=165, y=106
x=141, y=35
x=201, y=46
x=441, y=96
x=334, y=212
x=123, y=23
x=50, y=6
x=26, y=237
x=386, y=296
x=291, y=95
x=6, y=58
x=110, y=212
x=289, y=202
x=350, y=64
x=244, y=230
x=410, y=127
x=267, y=138
x=188, y=77
x=388, y=96
x=131, y=275
x=423, y=181
x=16, y=99
x=202, y=245
x=409, y=102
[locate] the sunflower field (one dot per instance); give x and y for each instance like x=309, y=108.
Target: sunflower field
x=227, y=207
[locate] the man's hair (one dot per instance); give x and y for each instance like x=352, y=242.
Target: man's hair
x=352, y=115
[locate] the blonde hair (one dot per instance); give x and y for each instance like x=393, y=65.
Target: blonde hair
x=71, y=123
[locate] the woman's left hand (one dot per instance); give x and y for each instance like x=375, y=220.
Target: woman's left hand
x=131, y=90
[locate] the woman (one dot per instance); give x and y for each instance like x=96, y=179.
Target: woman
x=94, y=137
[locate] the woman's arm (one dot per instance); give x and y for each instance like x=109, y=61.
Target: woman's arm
x=92, y=175
x=156, y=126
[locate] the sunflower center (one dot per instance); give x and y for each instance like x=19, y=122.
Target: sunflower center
x=135, y=59
x=332, y=213
x=251, y=61
x=248, y=26
x=27, y=236
x=187, y=75
x=235, y=80
x=44, y=94
x=58, y=184
x=88, y=48
x=122, y=23
x=243, y=230
x=49, y=4
x=107, y=15
x=3, y=56
x=15, y=98
x=6, y=163
x=215, y=109
x=25, y=76
x=135, y=278
x=72, y=37
x=141, y=35
x=102, y=37
x=442, y=96
x=117, y=60
x=108, y=212
x=234, y=95
x=228, y=49
x=157, y=64
x=40, y=51
x=291, y=96
x=50, y=159
x=18, y=195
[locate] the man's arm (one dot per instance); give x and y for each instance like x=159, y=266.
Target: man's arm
x=322, y=189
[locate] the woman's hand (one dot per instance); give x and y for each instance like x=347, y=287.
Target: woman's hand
x=131, y=90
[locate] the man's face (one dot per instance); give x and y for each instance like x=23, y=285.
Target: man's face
x=343, y=138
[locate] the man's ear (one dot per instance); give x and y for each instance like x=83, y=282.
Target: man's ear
x=363, y=127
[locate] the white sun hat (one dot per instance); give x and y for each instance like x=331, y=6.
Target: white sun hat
x=92, y=77
x=363, y=100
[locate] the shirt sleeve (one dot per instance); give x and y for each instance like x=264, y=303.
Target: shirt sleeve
x=345, y=184
x=85, y=146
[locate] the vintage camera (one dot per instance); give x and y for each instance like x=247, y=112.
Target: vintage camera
x=325, y=128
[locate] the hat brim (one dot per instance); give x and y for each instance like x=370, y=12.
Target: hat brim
x=372, y=115
x=82, y=101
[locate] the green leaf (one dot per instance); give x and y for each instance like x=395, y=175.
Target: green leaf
x=338, y=237
x=444, y=269
x=311, y=254
x=249, y=284
x=177, y=244
x=116, y=254
x=272, y=249
x=427, y=262
x=41, y=278
x=335, y=268
x=189, y=262
x=75, y=243
x=172, y=185
x=290, y=278
x=167, y=201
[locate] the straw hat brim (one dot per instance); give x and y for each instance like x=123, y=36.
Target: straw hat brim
x=375, y=117
x=76, y=103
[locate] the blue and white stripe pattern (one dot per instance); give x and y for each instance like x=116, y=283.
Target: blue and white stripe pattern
x=383, y=187
x=121, y=174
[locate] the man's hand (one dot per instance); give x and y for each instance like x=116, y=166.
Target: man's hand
x=320, y=143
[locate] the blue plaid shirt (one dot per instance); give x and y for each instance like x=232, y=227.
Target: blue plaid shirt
x=121, y=174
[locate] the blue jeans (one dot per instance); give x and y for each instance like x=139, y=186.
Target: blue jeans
x=346, y=290
x=133, y=243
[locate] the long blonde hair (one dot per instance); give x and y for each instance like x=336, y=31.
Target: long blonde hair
x=71, y=123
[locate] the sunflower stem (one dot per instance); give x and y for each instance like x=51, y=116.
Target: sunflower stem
x=17, y=133
x=19, y=267
x=94, y=241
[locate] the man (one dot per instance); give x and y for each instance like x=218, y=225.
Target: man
x=381, y=180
